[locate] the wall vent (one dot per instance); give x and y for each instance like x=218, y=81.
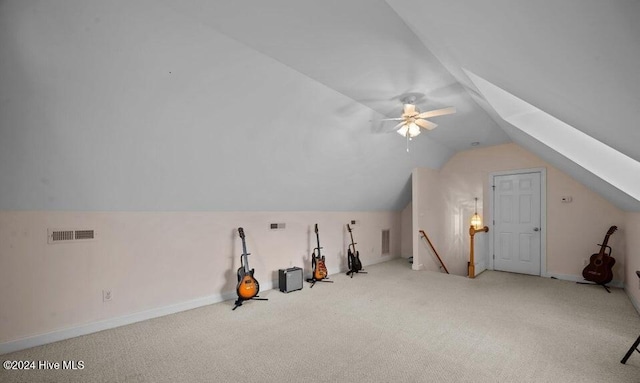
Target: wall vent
x=277, y=226
x=386, y=242
x=70, y=235
x=85, y=234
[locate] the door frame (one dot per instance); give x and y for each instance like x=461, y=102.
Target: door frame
x=543, y=214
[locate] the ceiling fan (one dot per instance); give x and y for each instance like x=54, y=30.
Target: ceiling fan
x=412, y=119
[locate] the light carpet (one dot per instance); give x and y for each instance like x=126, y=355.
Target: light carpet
x=391, y=325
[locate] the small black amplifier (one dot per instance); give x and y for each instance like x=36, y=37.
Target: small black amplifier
x=290, y=279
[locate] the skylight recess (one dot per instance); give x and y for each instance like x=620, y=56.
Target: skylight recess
x=616, y=168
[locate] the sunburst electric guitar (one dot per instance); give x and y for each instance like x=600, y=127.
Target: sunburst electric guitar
x=248, y=287
x=317, y=260
x=599, y=268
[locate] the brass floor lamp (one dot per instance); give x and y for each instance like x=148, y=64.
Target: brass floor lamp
x=476, y=221
x=472, y=261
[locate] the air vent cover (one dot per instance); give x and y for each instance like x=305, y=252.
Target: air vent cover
x=70, y=235
x=62, y=235
x=277, y=226
x=85, y=234
x=386, y=239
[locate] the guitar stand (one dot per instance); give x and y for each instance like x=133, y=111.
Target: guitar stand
x=635, y=345
x=598, y=284
x=351, y=272
x=239, y=301
x=313, y=281
x=633, y=348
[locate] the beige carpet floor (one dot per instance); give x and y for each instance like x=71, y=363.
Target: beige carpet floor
x=391, y=325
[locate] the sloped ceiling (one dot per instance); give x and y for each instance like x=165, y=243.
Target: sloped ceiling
x=275, y=105
x=574, y=59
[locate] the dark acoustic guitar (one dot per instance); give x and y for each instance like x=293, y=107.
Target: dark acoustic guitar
x=319, y=267
x=599, y=268
x=353, y=256
x=248, y=287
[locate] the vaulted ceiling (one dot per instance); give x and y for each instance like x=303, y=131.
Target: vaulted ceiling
x=276, y=105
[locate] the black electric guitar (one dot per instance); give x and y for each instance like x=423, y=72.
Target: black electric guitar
x=599, y=268
x=317, y=260
x=353, y=256
x=248, y=287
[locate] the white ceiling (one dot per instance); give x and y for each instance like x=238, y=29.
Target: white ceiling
x=574, y=59
x=275, y=105
x=361, y=49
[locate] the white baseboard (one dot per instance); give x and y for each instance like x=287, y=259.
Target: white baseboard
x=635, y=303
x=72, y=332
x=338, y=270
x=575, y=278
x=106, y=324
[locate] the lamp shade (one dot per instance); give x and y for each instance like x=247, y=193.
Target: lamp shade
x=476, y=221
x=414, y=130
x=410, y=129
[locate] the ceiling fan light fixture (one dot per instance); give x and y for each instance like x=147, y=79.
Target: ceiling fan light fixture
x=412, y=120
x=410, y=129
x=414, y=130
x=403, y=130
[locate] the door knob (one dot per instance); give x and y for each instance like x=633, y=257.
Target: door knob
x=536, y=229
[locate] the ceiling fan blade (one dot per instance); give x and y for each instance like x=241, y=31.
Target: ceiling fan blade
x=437, y=112
x=398, y=126
x=426, y=124
x=389, y=129
x=392, y=119
x=409, y=110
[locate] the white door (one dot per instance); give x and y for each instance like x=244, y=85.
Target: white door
x=517, y=234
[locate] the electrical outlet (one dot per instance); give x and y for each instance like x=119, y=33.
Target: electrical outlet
x=106, y=295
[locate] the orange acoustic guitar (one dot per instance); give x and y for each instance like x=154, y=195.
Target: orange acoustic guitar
x=319, y=268
x=599, y=268
x=248, y=287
